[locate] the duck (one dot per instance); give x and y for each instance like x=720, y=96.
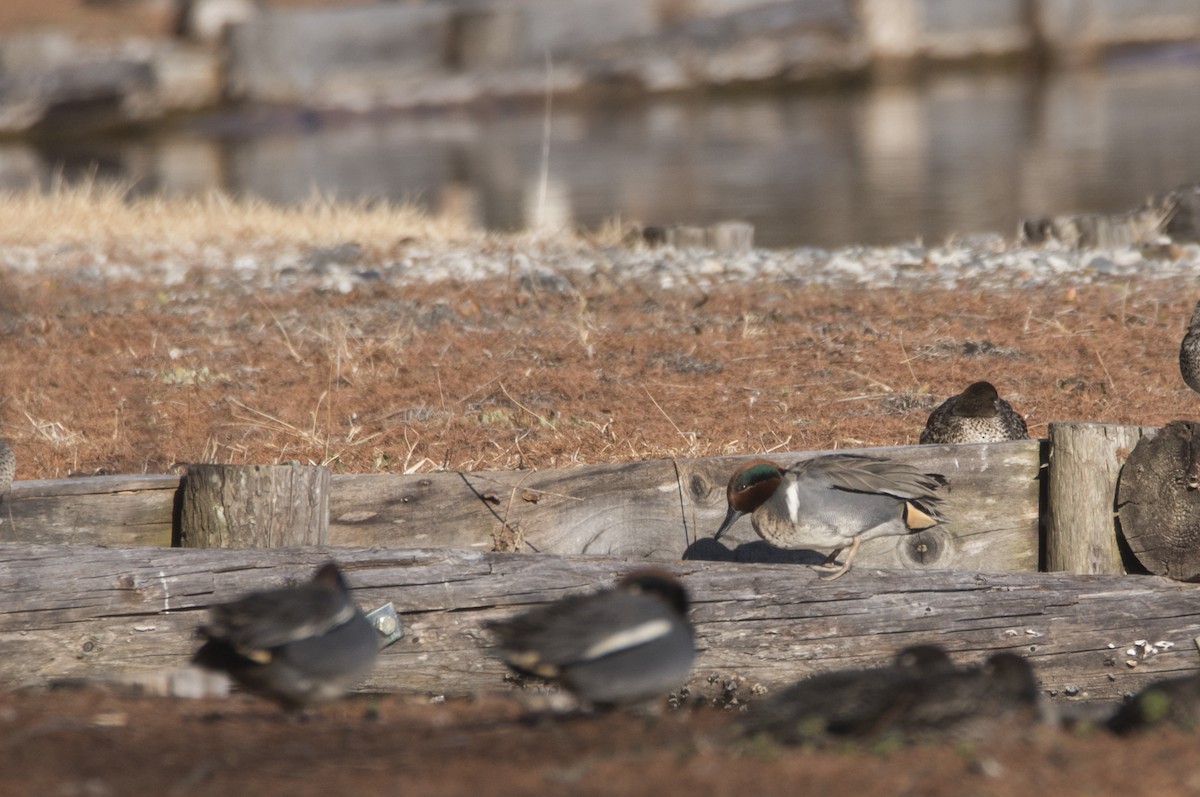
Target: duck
x=8, y=467
x=848, y=702
x=1189, y=351
x=295, y=645
x=976, y=415
x=625, y=645
x=920, y=696
x=970, y=703
x=832, y=502
x=1169, y=700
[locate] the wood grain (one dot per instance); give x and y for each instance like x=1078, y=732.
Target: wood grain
x=669, y=509
x=1159, y=501
x=254, y=506
x=658, y=509
x=1085, y=461
x=82, y=611
x=96, y=510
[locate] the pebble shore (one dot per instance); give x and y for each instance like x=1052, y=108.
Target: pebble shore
x=981, y=262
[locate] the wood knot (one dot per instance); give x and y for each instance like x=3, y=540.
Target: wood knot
x=926, y=548
x=700, y=488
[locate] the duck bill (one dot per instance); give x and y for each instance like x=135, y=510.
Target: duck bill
x=731, y=517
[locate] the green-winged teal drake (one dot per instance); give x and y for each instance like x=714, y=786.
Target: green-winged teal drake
x=976, y=415
x=1189, y=351
x=295, y=645
x=623, y=645
x=833, y=502
x=1171, y=700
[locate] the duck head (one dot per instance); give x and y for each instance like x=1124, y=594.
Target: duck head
x=329, y=576
x=1012, y=675
x=749, y=488
x=923, y=659
x=658, y=584
x=979, y=400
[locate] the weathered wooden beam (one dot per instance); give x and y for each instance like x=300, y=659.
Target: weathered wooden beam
x=1085, y=461
x=81, y=611
x=95, y=510
x=669, y=509
x=659, y=509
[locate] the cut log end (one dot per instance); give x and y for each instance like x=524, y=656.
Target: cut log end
x=1159, y=503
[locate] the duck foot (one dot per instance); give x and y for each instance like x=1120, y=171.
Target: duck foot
x=830, y=562
x=831, y=570
x=831, y=573
x=827, y=567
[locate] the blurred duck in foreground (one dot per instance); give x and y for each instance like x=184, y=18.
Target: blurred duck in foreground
x=295, y=645
x=625, y=645
x=1174, y=701
x=920, y=697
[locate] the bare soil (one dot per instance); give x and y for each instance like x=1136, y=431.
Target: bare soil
x=140, y=378
x=92, y=743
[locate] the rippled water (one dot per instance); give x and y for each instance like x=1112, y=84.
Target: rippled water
x=952, y=154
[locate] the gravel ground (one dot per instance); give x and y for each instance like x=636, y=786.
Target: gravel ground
x=978, y=263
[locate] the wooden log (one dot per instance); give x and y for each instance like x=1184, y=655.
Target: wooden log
x=687, y=236
x=669, y=509
x=1158, y=501
x=81, y=611
x=725, y=237
x=255, y=506
x=659, y=509
x=96, y=510
x=731, y=236
x=1085, y=460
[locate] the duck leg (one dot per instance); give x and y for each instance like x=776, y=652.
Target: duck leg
x=841, y=570
x=830, y=562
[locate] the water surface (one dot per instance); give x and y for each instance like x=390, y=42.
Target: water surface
x=952, y=154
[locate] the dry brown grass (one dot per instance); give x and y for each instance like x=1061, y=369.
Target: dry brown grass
x=132, y=377
x=139, y=375
x=104, y=216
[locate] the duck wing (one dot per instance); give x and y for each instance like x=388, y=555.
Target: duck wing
x=864, y=474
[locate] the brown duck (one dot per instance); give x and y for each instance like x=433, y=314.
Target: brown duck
x=976, y=415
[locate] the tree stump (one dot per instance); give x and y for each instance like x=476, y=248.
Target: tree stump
x=255, y=506
x=1159, y=501
x=1085, y=461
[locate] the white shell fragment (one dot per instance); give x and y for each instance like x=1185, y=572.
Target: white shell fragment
x=1143, y=649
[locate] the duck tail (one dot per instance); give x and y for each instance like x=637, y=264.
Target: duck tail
x=921, y=515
